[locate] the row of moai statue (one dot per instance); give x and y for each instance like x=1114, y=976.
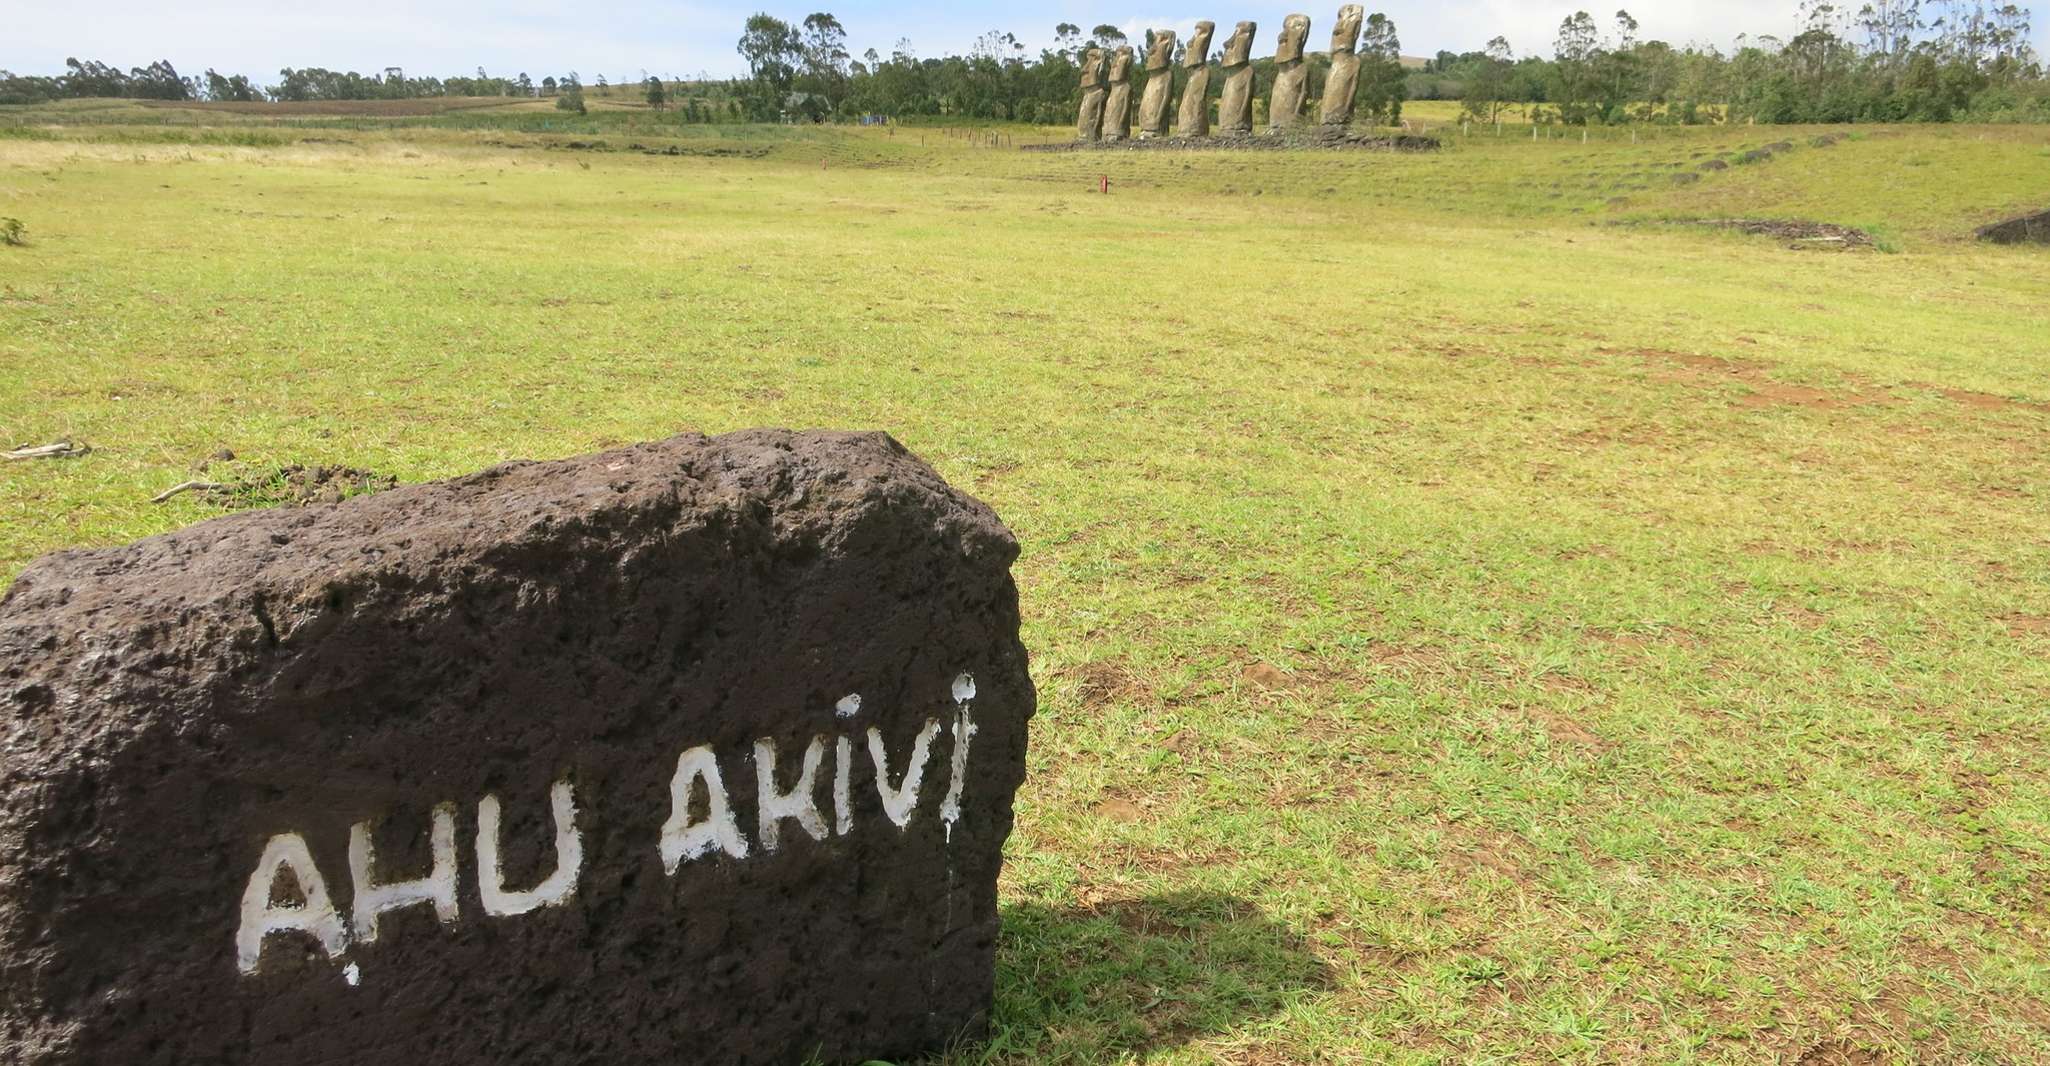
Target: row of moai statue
x=1107, y=86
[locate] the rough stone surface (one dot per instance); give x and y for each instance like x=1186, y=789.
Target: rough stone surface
x=1117, y=110
x=1089, y=123
x=174, y=708
x=2029, y=229
x=1235, y=108
x=1342, y=84
x=1153, y=103
x=1291, y=75
x=1194, y=117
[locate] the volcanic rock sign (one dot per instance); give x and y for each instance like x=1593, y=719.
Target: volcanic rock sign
x=1089, y=124
x=1194, y=117
x=1235, y=110
x=698, y=751
x=1343, y=84
x=1153, y=116
x=1117, y=110
x=1291, y=76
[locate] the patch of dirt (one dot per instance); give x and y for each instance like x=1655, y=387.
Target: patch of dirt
x=1183, y=742
x=1397, y=656
x=1104, y=682
x=1839, y=1053
x=1148, y=918
x=291, y=485
x=708, y=152
x=1119, y=809
x=1631, y=641
x=2027, y=625
x=1776, y=395
x=1263, y=675
x=1690, y=368
x=1564, y=730
x=1799, y=234
x=1981, y=401
x=1488, y=860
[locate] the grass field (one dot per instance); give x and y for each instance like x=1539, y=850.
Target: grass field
x=1478, y=617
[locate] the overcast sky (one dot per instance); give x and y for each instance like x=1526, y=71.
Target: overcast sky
x=686, y=37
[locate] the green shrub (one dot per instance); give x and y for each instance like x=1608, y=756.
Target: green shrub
x=13, y=232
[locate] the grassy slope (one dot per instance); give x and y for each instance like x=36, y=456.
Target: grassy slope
x=1465, y=631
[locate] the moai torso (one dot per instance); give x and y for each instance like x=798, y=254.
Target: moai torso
x=1194, y=119
x=1343, y=85
x=1117, y=107
x=1089, y=124
x=1291, y=74
x=1153, y=103
x=1235, y=110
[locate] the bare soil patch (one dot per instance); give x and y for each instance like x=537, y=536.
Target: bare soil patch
x=1105, y=682
x=1798, y=233
x=1692, y=368
x=2027, y=625
x=1986, y=401
x=291, y=485
x=1119, y=809
x=1839, y=1053
x=1266, y=676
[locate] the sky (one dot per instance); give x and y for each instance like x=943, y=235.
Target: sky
x=622, y=38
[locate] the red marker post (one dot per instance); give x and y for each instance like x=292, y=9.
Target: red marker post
x=1105, y=180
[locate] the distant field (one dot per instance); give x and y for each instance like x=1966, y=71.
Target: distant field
x=1480, y=613
x=366, y=108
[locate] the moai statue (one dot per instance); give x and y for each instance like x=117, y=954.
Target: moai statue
x=1194, y=120
x=1117, y=109
x=1291, y=74
x=1089, y=126
x=1159, y=85
x=1235, y=111
x=1344, y=83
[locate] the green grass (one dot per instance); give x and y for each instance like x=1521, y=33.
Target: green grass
x=1468, y=628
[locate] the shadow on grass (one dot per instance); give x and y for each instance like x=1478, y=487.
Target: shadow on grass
x=1099, y=983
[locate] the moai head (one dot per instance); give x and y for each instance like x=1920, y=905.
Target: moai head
x=1238, y=48
x=1295, y=29
x=1346, y=35
x=1092, y=68
x=1121, y=65
x=1160, y=55
x=1198, y=52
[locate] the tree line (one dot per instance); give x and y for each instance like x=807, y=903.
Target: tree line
x=1884, y=61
